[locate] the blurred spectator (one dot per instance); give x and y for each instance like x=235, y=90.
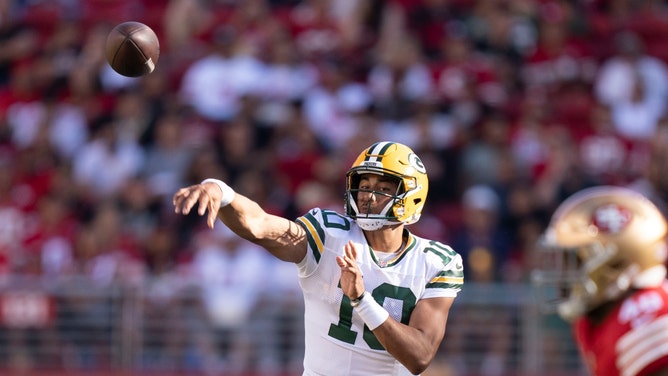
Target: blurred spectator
x=132, y=115
x=184, y=21
x=22, y=106
x=485, y=250
x=616, y=80
x=105, y=251
x=637, y=118
x=298, y=157
x=278, y=314
x=562, y=174
x=35, y=170
x=653, y=181
x=18, y=41
x=649, y=19
x=528, y=136
x=480, y=156
x=49, y=242
x=167, y=157
x=604, y=153
x=522, y=221
x=560, y=56
x=107, y=161
x=104, y=255
x=428, y=20
x=441, y=160
x=484, y=247
x=215, y=83
x=503, y=29
x=12, y=220
x=160, y=100
x=68, y=128
x=169, y=300
x=94, y=12
x=286, y=79
x=466, y=80
x=400, y=80
x=350, y=17
x=605, y=19
x=330, y=107
x=140, y=208
x=235, y=143
x=635, y=86
x=315, y=29
x=230, y=272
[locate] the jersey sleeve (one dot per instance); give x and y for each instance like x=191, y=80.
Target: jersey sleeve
x=644, y=348
x=448, y=277
x=321, y=226
x=315, y=233
x=315, y=237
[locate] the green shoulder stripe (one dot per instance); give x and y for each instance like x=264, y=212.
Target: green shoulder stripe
x=447, y=279
x=314, y=234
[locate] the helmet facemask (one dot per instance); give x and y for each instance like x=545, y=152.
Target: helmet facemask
x=574, y=281
x=390, y=213
x=562, y=281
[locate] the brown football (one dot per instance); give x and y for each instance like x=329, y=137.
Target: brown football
x=132, y=49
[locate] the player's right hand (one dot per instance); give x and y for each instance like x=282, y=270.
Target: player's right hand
x=351, y=281
x=207, y=196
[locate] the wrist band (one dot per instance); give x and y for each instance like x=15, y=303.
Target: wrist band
x=228, y=192
x=372, y=313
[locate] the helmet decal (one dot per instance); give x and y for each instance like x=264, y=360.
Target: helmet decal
x=416, y=163
x=372, y=164
x=611, y=218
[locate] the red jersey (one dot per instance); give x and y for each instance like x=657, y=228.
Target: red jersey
x=632, y=340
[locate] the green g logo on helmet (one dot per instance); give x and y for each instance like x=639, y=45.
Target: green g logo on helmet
x=416, y=163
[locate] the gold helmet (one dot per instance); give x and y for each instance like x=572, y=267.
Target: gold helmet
x=394, y=160
x=600, y=243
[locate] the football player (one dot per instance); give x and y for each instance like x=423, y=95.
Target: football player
x=376, y=296
x=605, y=249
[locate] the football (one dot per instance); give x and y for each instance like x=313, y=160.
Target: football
x=132, y=49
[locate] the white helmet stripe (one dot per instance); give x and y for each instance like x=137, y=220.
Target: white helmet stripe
x=376, y=150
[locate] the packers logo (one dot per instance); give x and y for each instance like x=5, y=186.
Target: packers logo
x=416, y=163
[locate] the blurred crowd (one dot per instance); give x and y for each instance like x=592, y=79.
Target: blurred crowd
x=511, y=104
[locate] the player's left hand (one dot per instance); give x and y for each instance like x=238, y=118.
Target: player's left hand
x=207, y=196
x=351, y=275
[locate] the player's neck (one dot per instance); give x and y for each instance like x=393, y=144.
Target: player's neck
x=389, y=239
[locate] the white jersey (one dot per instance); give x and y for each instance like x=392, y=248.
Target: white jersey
x=337, y=342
